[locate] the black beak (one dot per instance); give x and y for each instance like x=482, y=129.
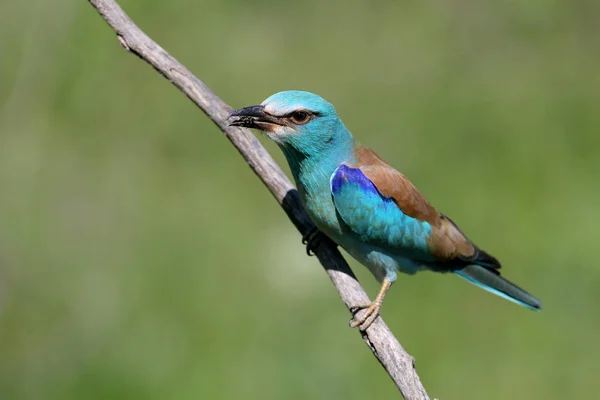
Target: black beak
x=253, y=117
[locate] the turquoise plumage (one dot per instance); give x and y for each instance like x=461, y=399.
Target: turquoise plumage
x=377, y=220
x=364, y=205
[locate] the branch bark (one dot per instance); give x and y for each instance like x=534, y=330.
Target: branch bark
x=385, y=347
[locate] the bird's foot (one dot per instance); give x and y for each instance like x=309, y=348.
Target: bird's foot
x=313, y=239
x=368, y=314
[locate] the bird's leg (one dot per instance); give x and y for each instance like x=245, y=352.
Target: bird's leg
x=372, y=310
x=312, y=239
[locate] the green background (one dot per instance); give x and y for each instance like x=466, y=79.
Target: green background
x=141, y=258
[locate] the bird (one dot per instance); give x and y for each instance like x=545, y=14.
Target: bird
x=364, y=205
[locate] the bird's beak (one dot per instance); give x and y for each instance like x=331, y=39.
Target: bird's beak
x=254, y=117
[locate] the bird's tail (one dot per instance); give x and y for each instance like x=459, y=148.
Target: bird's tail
x=490, y=280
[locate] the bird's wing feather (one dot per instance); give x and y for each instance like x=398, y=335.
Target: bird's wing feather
x=392, y=184
x=377, y=220
x=444, y=240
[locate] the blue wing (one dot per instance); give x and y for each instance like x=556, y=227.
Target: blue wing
x=377, y=220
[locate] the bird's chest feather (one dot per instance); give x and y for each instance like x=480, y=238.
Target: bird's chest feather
x=315, y=195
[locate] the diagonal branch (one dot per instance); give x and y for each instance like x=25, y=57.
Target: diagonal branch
x=385, y=347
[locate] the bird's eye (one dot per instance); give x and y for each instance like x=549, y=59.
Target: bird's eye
x=300, y=117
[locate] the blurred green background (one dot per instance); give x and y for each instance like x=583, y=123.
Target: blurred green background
x=141, y=258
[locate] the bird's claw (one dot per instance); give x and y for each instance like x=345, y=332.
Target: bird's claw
x=367, y=317
x=308, y=235
x=313, y=239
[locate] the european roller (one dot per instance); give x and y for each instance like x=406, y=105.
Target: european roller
x=365, y=206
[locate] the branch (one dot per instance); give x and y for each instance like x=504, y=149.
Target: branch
x=385, y=347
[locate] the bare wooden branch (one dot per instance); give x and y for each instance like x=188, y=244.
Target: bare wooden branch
x=385, y=347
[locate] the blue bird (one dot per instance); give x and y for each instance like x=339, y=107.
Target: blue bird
x=364, y=205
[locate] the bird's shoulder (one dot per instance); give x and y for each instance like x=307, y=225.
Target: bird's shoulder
x=392, y=184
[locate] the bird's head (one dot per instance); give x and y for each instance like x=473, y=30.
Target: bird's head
x=295, y=120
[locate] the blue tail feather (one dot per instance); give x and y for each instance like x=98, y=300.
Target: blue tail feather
x=494, y=283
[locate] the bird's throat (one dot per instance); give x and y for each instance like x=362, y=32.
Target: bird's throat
x=315, y=169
